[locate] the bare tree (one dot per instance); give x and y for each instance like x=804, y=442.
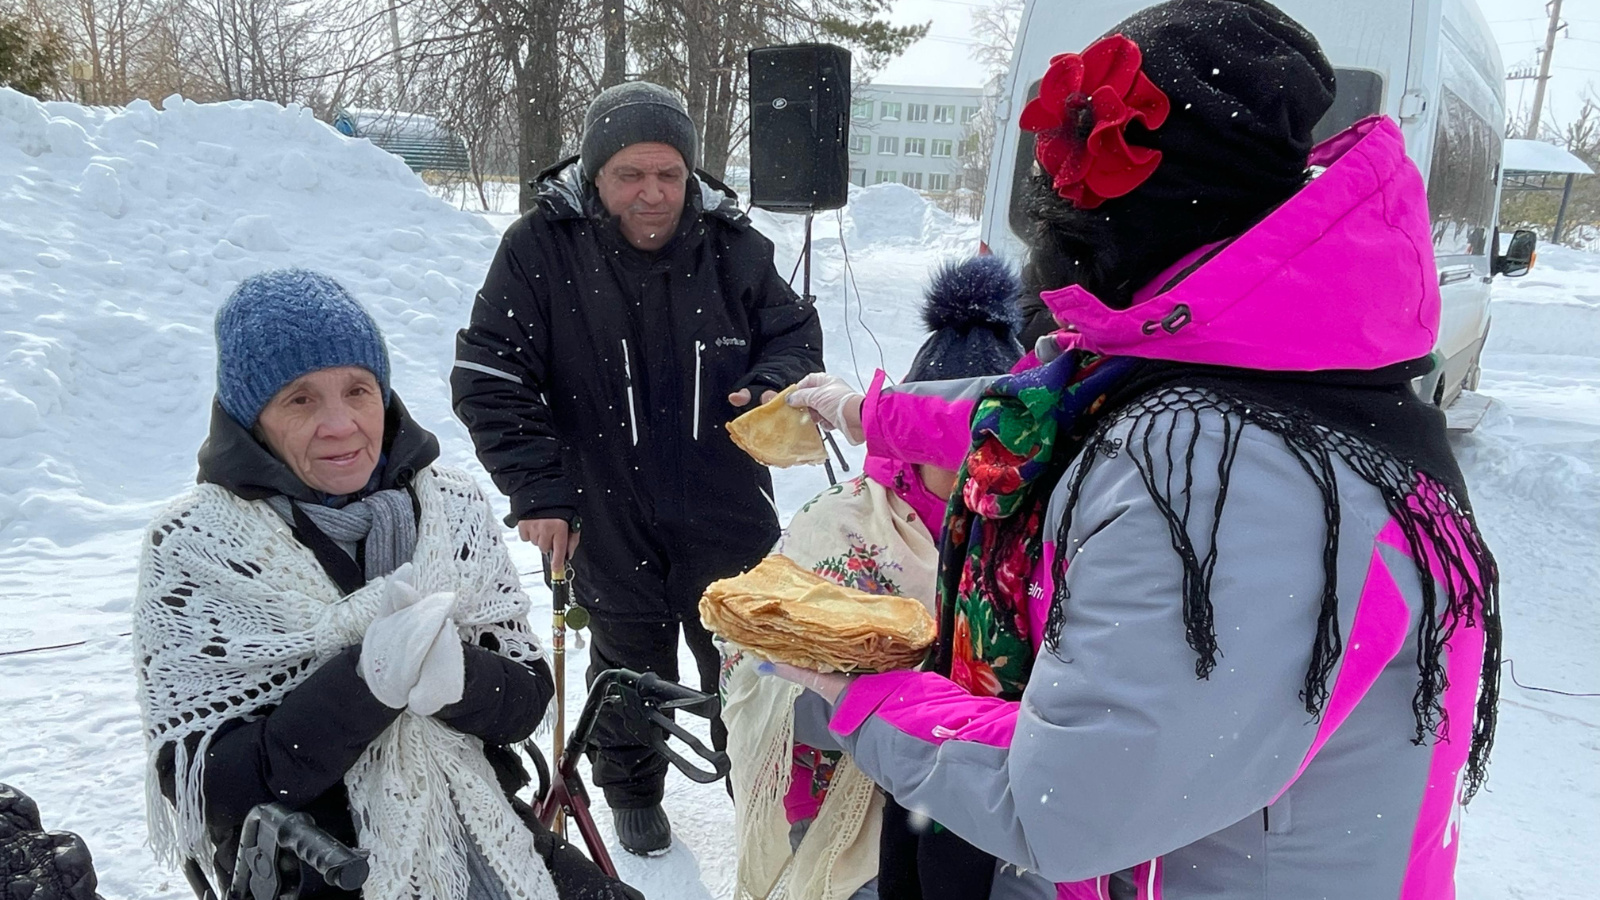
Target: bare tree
x=994, y=27
x=257, y=49
x=476, y=63
x=698, y=47
x=204, y=49
x=106, y=34
x=614, y=24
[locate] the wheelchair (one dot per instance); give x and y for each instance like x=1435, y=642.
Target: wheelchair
x=276, y=845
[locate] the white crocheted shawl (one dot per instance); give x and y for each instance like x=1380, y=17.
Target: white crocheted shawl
x=861, y=535
x=233, y=613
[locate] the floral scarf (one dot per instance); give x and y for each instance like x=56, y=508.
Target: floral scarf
x=1025, y=430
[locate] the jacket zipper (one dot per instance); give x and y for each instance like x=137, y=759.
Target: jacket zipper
x=627, y=376
x=698, y=346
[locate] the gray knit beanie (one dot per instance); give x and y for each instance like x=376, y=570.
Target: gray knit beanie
x=635, y=113
x=280, y=325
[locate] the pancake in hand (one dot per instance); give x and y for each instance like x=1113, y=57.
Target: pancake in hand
x=778, y=434
x=785, y=613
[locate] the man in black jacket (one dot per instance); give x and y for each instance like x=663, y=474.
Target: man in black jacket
x=624, y=321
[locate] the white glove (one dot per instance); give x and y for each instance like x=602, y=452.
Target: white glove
x=401, y=637
x=827, y=685
x=831, y=402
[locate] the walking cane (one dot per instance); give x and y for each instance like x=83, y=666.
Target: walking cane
x=560, y=597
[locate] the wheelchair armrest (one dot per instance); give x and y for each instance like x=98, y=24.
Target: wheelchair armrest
x=273, y=835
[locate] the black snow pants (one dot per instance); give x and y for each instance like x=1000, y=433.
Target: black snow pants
x=653, y=575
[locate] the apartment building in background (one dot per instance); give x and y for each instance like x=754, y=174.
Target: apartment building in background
x=912, y=135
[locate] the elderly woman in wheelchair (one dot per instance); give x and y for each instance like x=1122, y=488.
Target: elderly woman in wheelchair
x=329, y=621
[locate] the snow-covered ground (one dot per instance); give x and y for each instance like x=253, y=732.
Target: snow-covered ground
x=121, y=231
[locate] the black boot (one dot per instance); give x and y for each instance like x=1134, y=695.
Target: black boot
x=644, y=831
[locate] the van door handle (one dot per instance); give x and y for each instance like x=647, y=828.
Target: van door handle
x=1454, y=275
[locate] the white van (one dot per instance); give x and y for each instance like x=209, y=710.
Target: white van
x=1432, y=65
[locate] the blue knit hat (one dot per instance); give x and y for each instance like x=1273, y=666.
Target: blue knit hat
x=279, y=325
x=971, y=314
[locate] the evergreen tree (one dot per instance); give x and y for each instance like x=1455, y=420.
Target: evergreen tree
x=31, y=59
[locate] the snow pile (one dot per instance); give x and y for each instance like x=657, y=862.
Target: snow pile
x=122, y=230
x=889, y=213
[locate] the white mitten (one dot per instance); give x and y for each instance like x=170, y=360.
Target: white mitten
x=828, y=397
x=399, y=638
x=444, y=673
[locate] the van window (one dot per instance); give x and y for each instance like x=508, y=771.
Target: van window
x=1358, y=93
x=1461, y=179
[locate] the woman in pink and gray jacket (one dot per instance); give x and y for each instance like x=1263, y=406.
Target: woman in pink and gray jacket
x=1216, y=618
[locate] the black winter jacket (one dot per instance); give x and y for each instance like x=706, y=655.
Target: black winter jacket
x=591, y=368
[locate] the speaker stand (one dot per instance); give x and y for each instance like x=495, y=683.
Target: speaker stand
x=805, y=254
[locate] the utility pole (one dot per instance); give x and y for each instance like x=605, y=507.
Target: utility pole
x=1554, y=6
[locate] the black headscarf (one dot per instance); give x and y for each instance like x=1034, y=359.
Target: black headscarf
x=1246, y=86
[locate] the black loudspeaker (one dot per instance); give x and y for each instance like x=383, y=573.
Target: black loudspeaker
x=799, y=127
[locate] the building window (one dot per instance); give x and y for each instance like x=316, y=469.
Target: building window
x=969, y=145
x=884, y=177
x=891, y=111
x=938, y=182
x=888, y=146
x=916, y=112
x=944, y=115
x=916, y=147
x=911, y=179
x=861, y=143
x=861, y=109
x=858, y=177
x=942, y=149
x=968, y=113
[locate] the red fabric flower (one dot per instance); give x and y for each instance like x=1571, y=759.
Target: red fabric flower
x=1083, y=109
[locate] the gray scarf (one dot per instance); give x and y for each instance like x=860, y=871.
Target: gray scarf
x=384, y=520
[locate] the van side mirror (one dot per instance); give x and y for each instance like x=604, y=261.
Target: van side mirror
x=1519, y=256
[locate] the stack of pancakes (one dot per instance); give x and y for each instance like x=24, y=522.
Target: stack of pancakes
x=785, y=613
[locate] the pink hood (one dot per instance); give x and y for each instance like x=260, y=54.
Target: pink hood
x=1340, y=277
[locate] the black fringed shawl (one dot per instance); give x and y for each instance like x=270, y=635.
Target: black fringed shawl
x=1376, y=425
